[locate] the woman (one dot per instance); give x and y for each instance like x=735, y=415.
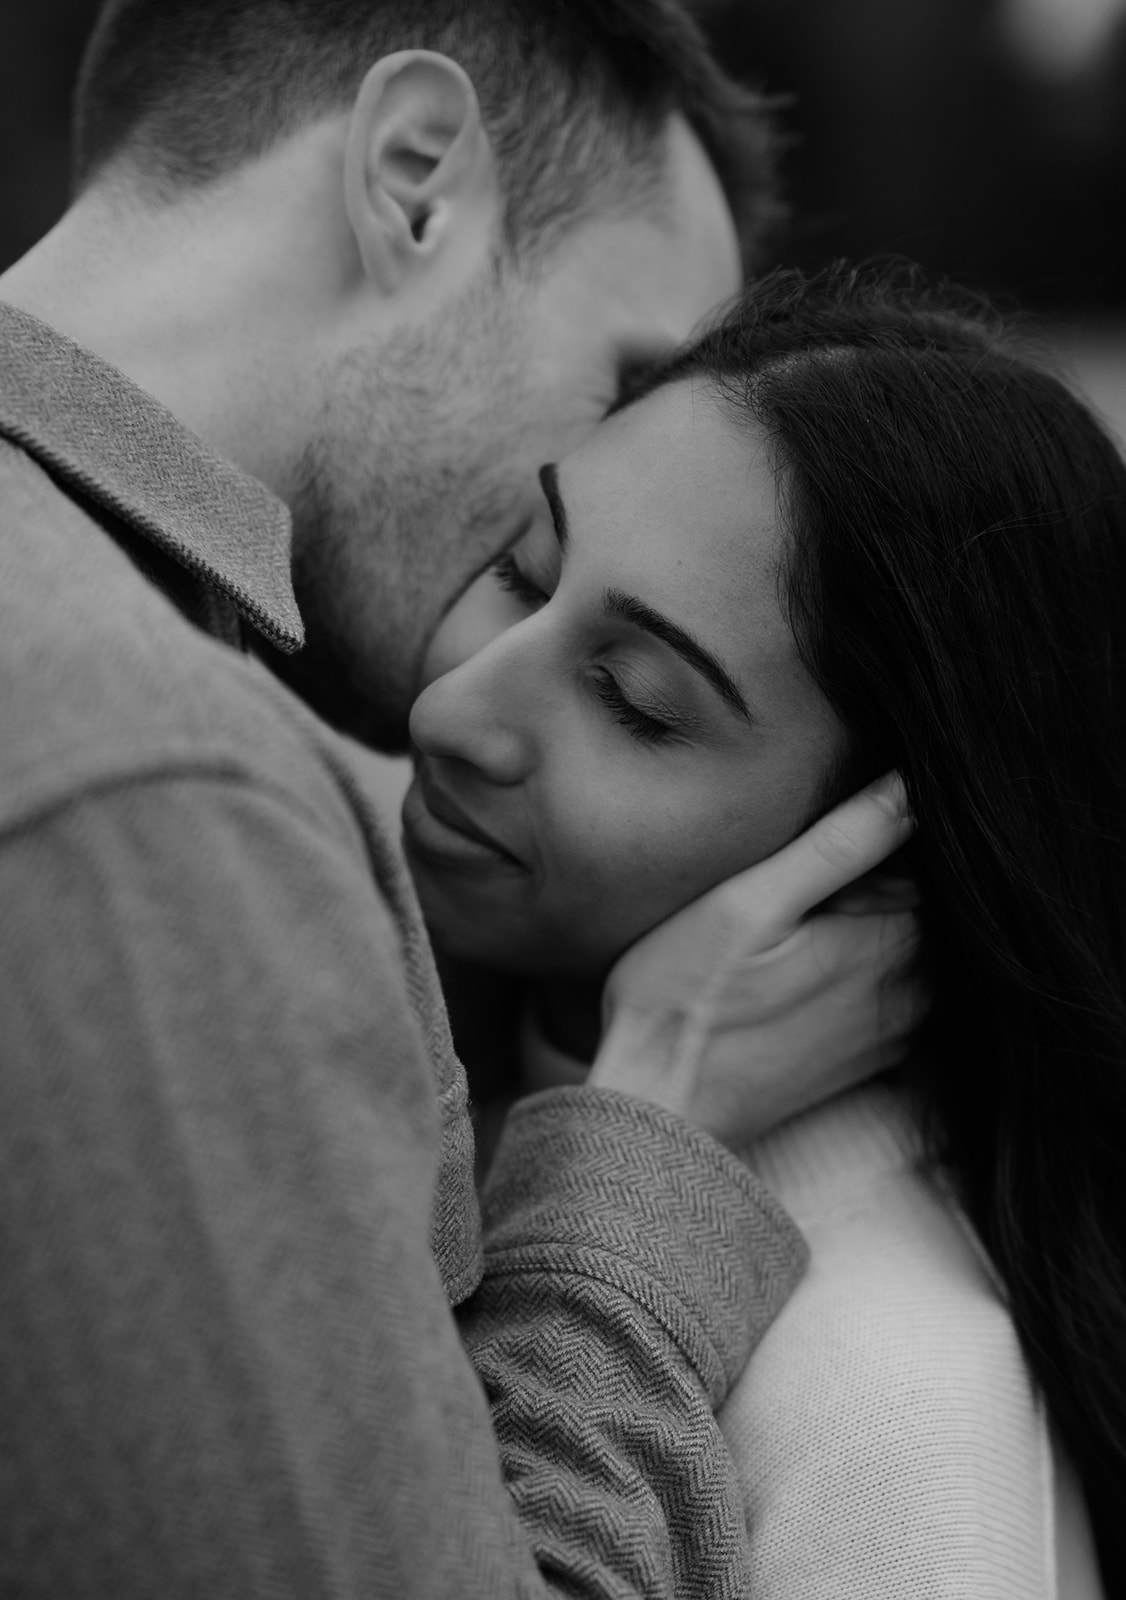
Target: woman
x=851, y=529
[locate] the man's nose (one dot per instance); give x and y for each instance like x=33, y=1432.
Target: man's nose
x=478, y=714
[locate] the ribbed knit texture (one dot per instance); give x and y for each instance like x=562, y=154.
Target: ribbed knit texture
x=886, y=1432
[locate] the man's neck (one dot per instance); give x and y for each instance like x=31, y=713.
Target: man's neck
x=169, y=301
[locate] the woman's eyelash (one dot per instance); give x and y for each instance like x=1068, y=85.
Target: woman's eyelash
x=640, y=726
x=509, y=576
x=645, y=728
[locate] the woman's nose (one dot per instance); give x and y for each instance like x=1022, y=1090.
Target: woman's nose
x=475, y=714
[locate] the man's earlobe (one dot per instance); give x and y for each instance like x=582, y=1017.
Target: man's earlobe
x=418, y=164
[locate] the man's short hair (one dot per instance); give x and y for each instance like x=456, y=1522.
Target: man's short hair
x=575, y=95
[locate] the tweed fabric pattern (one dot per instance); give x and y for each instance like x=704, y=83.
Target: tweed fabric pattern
x=46, y=384
x=592, y=1142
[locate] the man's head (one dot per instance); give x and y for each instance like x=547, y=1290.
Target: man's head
x=511, y=203
x=572, y=93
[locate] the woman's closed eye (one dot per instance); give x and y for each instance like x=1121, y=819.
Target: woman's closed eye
x=641, y=725
x=644, y=725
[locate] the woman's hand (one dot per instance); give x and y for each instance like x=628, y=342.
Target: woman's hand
x=776, y=989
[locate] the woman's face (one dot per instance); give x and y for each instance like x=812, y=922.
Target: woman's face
x=616, y=717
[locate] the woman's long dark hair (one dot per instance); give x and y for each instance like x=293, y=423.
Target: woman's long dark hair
x=956, y=579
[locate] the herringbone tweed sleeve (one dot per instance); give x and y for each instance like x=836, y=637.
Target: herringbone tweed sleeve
x=631, y=1266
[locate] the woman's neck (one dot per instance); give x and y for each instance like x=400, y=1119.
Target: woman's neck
x=569, y=1014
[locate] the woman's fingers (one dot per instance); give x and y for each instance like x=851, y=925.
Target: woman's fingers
x=826, y=859
x=743, y=1008
x=876, y=891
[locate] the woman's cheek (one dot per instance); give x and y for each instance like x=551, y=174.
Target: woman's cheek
x=643, y=879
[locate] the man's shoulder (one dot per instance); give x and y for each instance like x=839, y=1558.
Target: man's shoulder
x=105, y=684
x=103, y=679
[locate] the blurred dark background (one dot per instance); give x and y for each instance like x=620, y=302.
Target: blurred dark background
x=987, y=138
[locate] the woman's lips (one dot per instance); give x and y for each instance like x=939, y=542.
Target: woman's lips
x=436, y=826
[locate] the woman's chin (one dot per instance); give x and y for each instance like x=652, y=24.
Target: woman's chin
x=520, y=951
x=495, y=923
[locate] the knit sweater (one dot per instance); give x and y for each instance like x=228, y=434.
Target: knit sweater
x=887, y=1433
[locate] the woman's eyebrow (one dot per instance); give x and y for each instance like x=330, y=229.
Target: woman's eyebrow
x=629, y=609
x=549, y=481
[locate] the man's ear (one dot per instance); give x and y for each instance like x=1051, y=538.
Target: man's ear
x=418, y=164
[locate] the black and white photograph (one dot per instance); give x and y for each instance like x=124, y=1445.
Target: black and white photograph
x=563, y=799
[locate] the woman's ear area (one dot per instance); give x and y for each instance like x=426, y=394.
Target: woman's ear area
x=420, y=179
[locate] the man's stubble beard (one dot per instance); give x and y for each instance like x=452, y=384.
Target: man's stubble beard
x=396, y=490
x=356, y=586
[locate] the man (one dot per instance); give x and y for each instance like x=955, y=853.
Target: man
x=373, y=262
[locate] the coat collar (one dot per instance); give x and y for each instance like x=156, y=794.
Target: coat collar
x=101, y=435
